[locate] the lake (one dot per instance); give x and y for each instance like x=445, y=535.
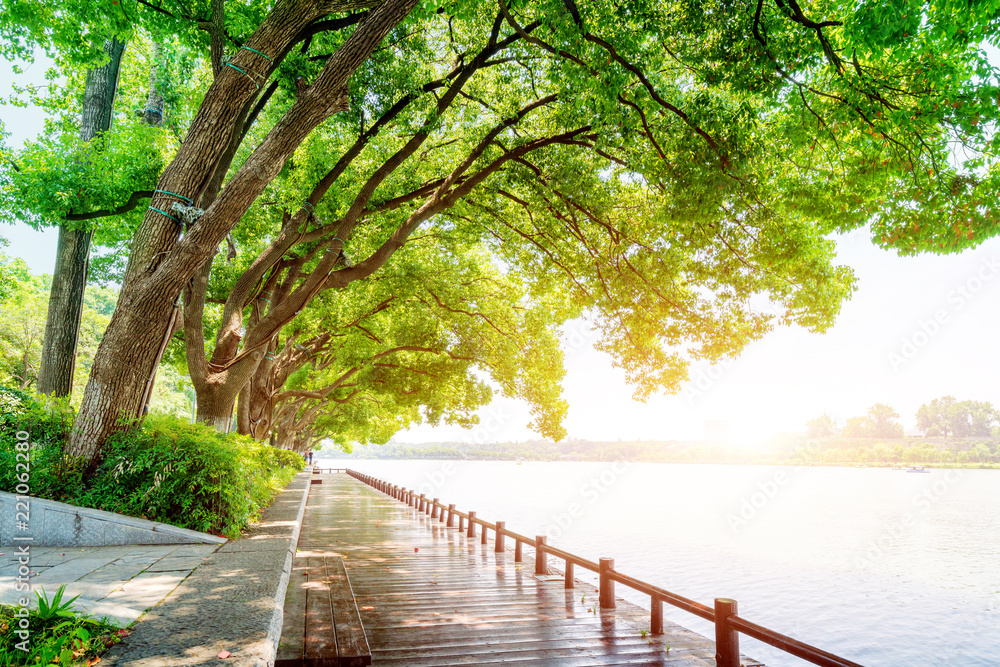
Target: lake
x=880, y=566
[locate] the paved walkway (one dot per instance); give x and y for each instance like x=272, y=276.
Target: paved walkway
x=119, y=583
x=428, y=595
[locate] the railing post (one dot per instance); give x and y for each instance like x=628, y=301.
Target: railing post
x=434, y=508
x=518, y=554
x=451, y=515
x=461, y=523
x=541, y=566
x=727, y=638
x=570, y=579
x=485, y=532
x=607, y=594
x=656, y=617
x=498, y=538
x=472, y=525
x=423, y=503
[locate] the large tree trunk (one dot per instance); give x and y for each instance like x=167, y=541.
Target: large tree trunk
x=161, y=263
x=69, y=278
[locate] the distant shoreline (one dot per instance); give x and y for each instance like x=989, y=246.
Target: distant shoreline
x=856, y=465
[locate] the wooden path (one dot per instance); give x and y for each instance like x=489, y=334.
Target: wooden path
x=429, y=595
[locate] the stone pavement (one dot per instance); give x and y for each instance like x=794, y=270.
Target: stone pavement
x=119, y=583
x=233, y=601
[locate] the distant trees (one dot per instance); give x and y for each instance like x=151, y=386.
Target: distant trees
x=821, y=427
x=947, y=416
x=943, y=416
x=880, y=422
x=883, y=422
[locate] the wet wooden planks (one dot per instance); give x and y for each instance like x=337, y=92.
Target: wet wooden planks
x=428, y=595
x=322, y=627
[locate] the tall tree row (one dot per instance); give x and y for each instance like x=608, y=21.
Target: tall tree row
x=664, y=167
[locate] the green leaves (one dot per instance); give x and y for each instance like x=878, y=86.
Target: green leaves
x=57, y=607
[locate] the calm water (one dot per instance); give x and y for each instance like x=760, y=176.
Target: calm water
x=880, y=566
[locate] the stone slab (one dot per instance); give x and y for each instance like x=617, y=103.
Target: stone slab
x=60, y=524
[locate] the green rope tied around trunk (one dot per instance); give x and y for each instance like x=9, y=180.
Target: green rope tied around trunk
x=243, y=71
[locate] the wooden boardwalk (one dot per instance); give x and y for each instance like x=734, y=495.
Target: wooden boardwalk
x=429, y=595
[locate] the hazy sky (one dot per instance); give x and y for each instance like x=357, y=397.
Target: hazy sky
x=917, y=328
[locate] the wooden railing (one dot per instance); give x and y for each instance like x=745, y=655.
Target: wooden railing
x=728, y=625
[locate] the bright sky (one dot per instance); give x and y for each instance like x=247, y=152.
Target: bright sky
x=916, y=329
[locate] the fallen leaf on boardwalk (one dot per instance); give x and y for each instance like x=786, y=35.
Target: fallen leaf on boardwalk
x=436, y=613
x=434, y=583
x=415, y=549
x=224, y=654
x=367, y=608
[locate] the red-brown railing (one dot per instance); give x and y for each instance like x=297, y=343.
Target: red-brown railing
x=728, y=625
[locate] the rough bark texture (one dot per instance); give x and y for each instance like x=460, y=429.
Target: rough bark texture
x=160, y=264
x=153, y=113
x=69, y=278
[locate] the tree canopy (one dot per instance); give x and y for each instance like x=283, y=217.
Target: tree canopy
x=947, y=416
x=671, y=169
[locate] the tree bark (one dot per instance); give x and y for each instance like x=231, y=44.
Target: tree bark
x=153, y=113
x=69, y=278
x=161, y=262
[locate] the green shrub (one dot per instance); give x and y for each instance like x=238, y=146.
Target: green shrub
x=48, y=427
x=167, y=470
x=190, y=475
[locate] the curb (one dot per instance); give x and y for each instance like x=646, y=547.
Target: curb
x=278, y=618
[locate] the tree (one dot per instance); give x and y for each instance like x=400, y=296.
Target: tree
x=880, y=422
x=659, y=164
x=22, y=321
x=883, y=422
x=821, y=427
x=69, y=278
x=981, y=453
x=934, y=418
x=415, y=346
x=962, y=419
x=856, y=427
